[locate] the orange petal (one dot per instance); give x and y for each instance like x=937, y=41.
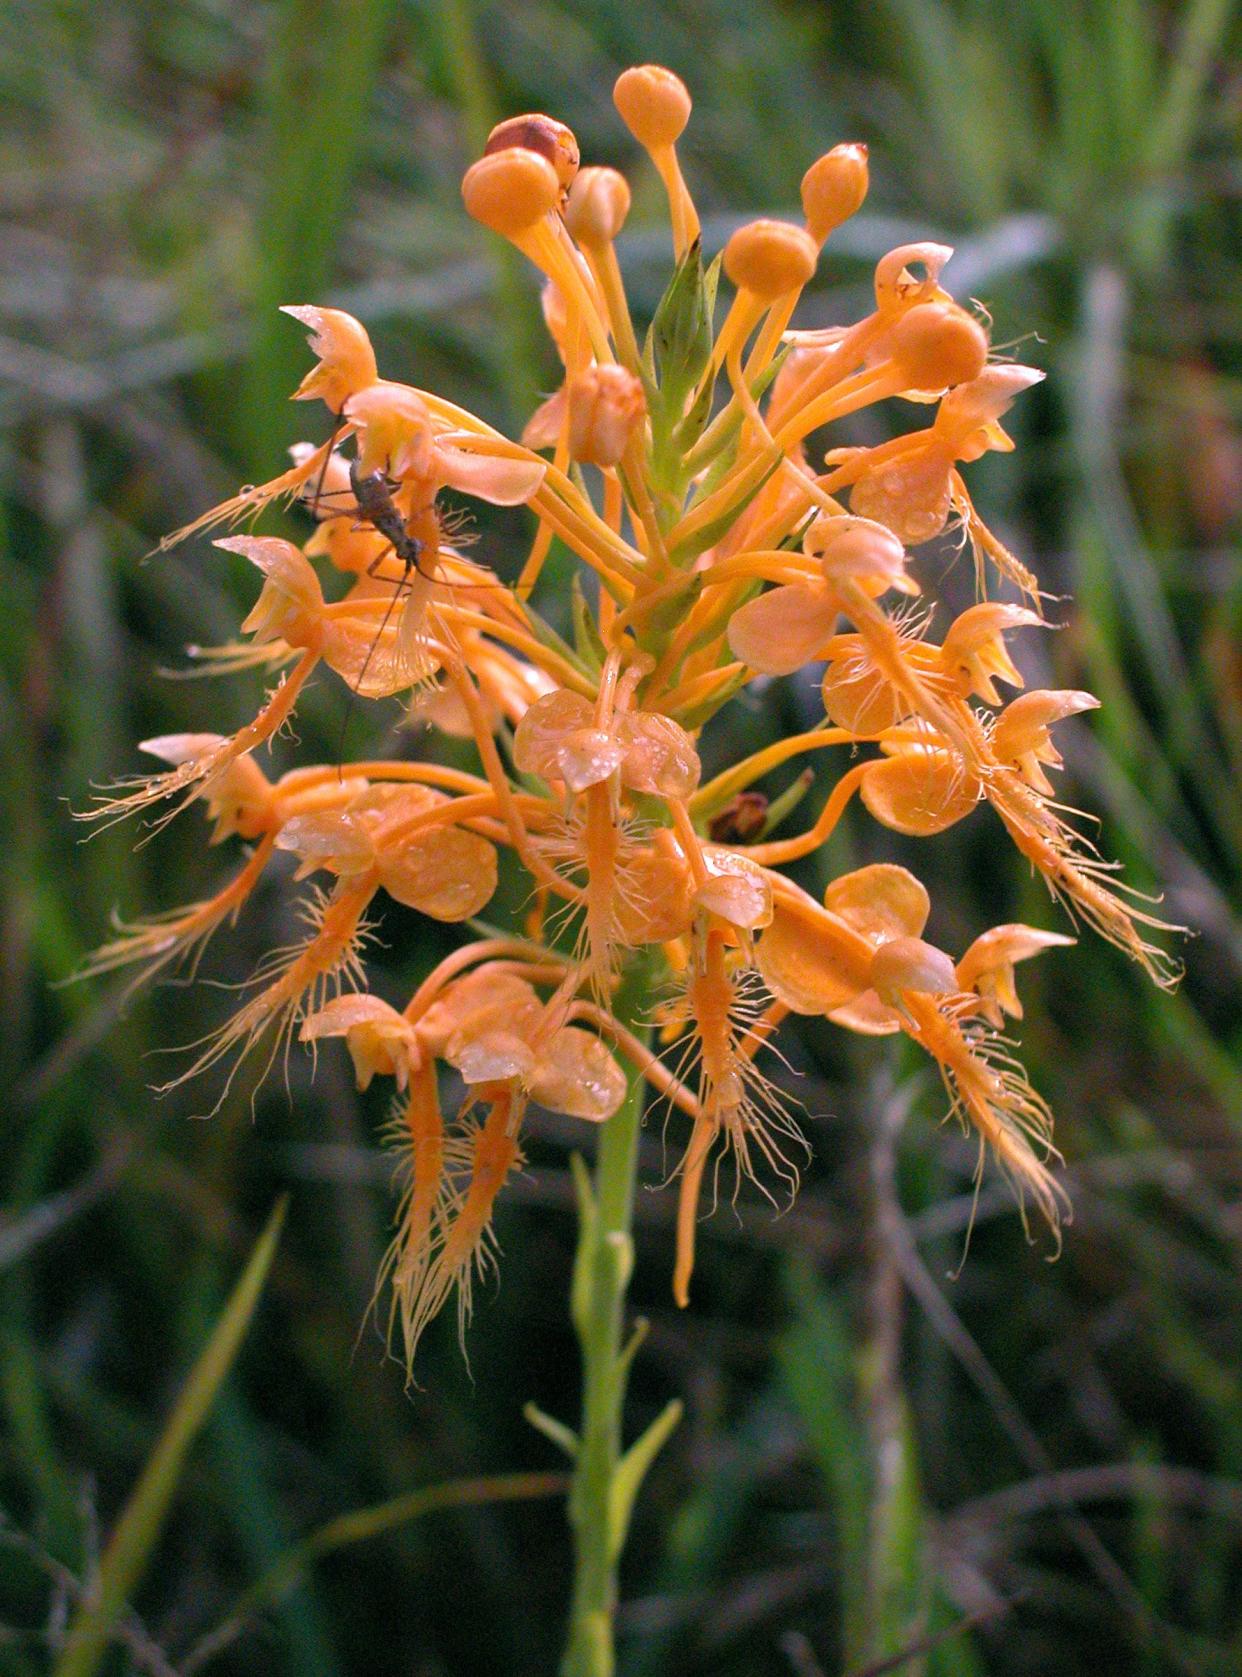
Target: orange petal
x=907, y=963
x=783, y=629
x=327, y=840
x=856, y=696
x=921, y=791
x=661, y=756
x=541, y=733
x=576, y=1074
x=882, y=901
x=809, y=960
x=738, y=889
x=867, y=1016
x=495, y=478
x=448, y=874
x=346, y=359
x=483, y=999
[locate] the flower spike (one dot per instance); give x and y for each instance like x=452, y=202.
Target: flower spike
x=722, y=543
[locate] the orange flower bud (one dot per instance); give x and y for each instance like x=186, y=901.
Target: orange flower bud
x=606, y=405
x=598, y=204
x=833, y=188
x=938, y=345
x=542, y=134
x=654, y=105
x=511, y=190
x=770, y=258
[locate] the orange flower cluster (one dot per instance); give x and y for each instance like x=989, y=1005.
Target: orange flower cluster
x=720, y=548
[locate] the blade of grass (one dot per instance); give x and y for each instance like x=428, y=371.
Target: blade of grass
x=358, y=1526
x=129, y=1548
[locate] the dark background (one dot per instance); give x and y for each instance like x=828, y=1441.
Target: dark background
x=1050, y=1451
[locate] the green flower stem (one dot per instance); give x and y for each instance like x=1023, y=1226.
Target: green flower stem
x=601, y=1492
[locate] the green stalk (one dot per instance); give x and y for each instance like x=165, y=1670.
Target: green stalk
x=605, y=1479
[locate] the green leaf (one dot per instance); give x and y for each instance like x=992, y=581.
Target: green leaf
x=565, y=1438
x=364, y=1523
x=784, y=804
x=711, y=533
x=547, y=636
x=142, y=1519
x=632, y=1470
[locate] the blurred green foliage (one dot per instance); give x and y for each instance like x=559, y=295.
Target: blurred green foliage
x=1021, y=1468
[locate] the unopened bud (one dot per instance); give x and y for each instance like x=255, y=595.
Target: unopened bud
x=606, y=404
x=833, y=188
x=770, y=258
x=542, y=134
x=599, y=201
x=654, y=105
x=511, y=190
x=938, y=345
